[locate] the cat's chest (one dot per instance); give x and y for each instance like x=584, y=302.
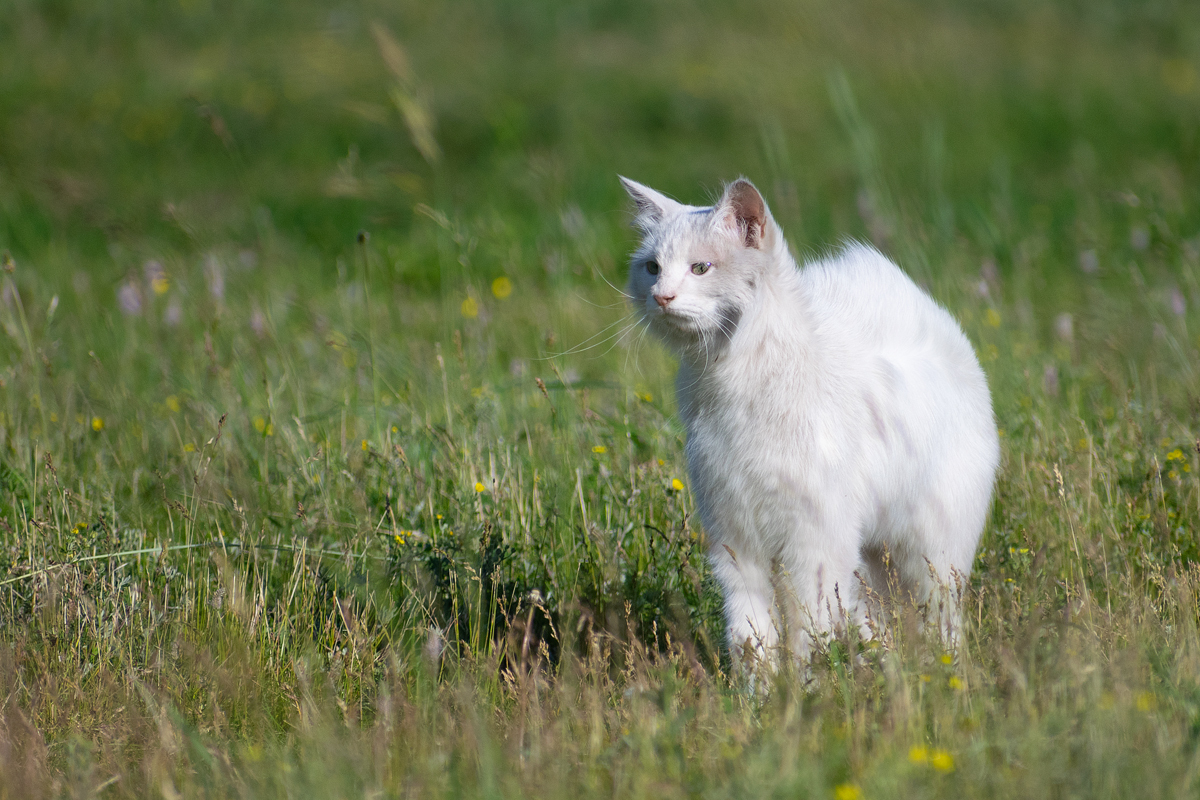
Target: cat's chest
x=769, y=420
x=746, y=418
x=751, y=453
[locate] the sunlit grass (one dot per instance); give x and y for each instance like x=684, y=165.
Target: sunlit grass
x=330, y=465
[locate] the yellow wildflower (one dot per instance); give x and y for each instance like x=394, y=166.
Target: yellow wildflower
x=470, y=309
x=600, y=449
x=847, y=791
x=992, y=318
x=677, y=484
x=479, y=487
x=1175, y=455
x=160, y=284
x=502, y=287
x=97, y=424
x=942, y=761
x=260, y=424
x=955, y=683
x=365, y=446
x=172, y=403
x=947, y=658
x=918, y=754
x=189, y=448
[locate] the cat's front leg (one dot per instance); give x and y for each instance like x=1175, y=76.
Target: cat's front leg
x=749, y=603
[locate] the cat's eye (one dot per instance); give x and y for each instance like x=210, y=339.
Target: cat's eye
x=652, y=267
x=701, y=267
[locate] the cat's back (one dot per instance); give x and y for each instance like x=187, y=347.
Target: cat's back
x=863, y=304
x=905, y=371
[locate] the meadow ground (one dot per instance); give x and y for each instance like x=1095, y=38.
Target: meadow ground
x=286, y=510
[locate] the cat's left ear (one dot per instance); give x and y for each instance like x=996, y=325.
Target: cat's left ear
x=652, y=206
x=743, y=211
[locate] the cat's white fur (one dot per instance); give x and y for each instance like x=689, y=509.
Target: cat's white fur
x=834, y=413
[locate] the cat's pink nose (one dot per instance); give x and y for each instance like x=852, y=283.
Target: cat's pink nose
x=663, y=299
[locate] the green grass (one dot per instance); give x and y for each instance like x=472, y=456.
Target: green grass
x=328, y=516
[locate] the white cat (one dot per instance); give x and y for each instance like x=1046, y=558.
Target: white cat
x=834, y=413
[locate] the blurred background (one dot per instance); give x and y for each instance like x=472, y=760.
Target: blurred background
x=136, y=129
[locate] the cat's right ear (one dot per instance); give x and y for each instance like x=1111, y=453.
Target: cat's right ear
x=652, y=206
x=743, y=210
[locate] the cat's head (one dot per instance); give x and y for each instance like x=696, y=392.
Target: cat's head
x=697, y=269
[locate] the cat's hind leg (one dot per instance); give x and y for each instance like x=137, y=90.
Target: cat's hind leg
x=934, y=571
x=947, y=521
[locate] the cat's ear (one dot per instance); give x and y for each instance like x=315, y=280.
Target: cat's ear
x=652, y=206
x=743, y=211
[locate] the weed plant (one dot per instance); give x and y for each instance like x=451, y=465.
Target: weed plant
x=331, y=466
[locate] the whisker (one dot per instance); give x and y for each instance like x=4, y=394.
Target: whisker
x=587, y=343
x=618, y=338
x=621, y=292
x=632, y=351
x=618, y=304
x=706, y=344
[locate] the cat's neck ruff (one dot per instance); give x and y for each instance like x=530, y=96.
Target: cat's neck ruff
x=773, y=324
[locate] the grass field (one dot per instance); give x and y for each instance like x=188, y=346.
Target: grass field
x=329, y=469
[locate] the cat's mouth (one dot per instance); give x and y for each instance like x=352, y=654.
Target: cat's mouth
x=671, y=317
x=680, y=325
x=674, y=321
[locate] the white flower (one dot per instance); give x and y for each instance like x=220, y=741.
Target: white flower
x=129, y=299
